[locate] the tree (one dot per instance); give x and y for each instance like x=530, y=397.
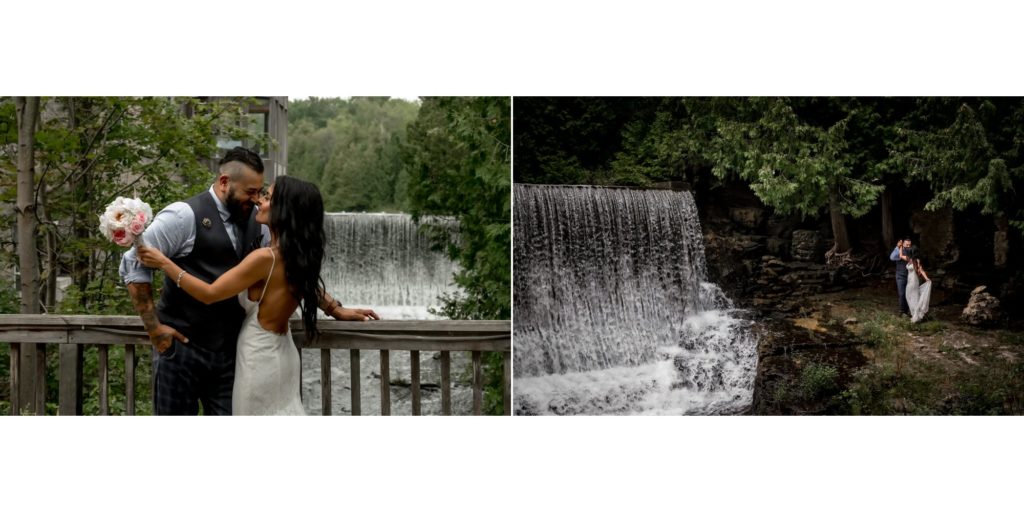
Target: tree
x=458, y=156
x=969, y=150
x=350, y=149
x=27, y=110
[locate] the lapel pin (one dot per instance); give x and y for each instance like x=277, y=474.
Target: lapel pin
x=206, y=222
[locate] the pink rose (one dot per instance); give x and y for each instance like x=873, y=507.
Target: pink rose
x=122, y=238
x=137, y=226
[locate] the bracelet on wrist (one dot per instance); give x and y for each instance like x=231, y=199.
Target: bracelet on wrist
x=178, y=281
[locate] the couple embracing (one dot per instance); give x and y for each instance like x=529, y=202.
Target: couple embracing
x=912, y=283
x=237, y=264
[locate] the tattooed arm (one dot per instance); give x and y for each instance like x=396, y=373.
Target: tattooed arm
x=160, y=335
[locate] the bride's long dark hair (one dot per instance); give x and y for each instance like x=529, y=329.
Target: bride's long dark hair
x=297, y=217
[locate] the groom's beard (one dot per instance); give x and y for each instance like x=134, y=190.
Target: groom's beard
x=238, y=211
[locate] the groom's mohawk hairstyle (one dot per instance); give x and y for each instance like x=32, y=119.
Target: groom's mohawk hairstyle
x=241, y=155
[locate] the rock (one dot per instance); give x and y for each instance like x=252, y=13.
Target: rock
x=807, y=245
x=750, y=218
x=850, y=321
x=982, y=309
x=778, y=247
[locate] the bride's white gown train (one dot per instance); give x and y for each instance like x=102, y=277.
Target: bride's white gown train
x=918, y=294
x=266, y=366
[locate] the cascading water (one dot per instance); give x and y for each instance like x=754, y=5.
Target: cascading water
x=613, y=314
x=383, y=262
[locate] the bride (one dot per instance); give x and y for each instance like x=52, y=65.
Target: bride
x=271, y=283
x=919, y=293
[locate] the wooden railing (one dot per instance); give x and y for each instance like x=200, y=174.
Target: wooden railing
x=72, y=333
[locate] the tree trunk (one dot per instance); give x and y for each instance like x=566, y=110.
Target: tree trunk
x=887, y=234
x=842, y=239
x=27, y=109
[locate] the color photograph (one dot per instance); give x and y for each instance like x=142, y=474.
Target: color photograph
x=768, y=255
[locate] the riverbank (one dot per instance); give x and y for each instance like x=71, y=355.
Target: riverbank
x=849, y=352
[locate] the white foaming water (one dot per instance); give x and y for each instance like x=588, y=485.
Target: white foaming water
x=612, y=311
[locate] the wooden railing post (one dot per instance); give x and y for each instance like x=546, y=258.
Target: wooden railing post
x=70, y=381
x=325, y=382
x=353, y=356
x=506, y=382
x=39, y=400
x=104, y=381
x=478, y=385
x=129, y=379
x=446, y=383
x=15, y=379
x=385, y=383
x=414, y=359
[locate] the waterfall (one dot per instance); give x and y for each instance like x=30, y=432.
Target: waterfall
x=383, y=261
x=613, y=313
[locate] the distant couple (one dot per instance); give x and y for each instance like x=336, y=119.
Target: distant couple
x=237, y=264
x=914, y=294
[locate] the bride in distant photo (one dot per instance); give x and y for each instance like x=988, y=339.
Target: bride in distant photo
x=919, y=287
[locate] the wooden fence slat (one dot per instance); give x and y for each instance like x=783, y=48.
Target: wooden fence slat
x=478, y=385
x=353, y=357
x=385, y=383
x=414, y=359
x=70, y=381
x=325, y=381
x=129, y=380
x=506, y=382
x=104, y=378
x=15, y=379
x=40, y=385
x=446, y=383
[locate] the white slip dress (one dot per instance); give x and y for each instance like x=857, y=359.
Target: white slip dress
x=266, y=366
x=918, y=294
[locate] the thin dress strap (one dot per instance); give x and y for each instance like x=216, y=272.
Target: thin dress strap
x=267, y=282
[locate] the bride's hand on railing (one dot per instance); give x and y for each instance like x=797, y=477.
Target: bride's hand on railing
x=355, y=314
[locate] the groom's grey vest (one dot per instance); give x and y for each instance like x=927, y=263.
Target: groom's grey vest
x=214, y=327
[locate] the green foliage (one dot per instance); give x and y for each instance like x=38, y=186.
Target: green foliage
x=88, y=151
x=351, y=150
x=969, y=150
x=458, y=160
x=818, y=380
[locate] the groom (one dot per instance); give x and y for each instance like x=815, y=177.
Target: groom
x=194, y=359
x=901, y=272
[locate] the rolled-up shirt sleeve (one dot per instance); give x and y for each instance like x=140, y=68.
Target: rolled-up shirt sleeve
x=895, y=256
x=172, y=232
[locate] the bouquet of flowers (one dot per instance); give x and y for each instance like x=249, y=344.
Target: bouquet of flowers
x=124, y=221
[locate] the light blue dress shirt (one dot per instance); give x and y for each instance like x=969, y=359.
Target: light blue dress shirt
x=173, y=232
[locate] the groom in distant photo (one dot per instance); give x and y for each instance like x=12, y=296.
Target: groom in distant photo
x=206, y=235
x=902, y=246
